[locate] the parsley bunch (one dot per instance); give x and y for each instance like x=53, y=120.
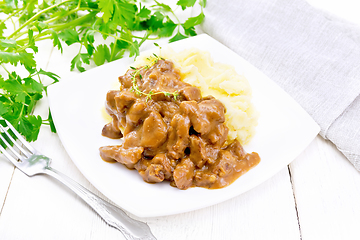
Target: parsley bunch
x=124, y=24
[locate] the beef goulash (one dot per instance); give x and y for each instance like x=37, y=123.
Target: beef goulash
x=171, y=132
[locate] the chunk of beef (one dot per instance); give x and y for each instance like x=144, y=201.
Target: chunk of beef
x=201, y=152
x=128, y=157
x=204, y=179
x=126, y=79
x=236, y=149
x=111, y=130
x=132, y=139
x=157, y=169
x=225, y=164
x=198, y=121
x=168, y=166
x=191, y=93
x=135, y=115
x=154, y=131
x=110, y=105
x=213, y=110
x=124, y=101
x=205, y=116
x=218, y=135
x=178, y=139
x=184, y=174
x=153, y=174
x=162, y=78
x=168, y=110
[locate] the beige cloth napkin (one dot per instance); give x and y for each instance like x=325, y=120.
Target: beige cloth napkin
x=312, y=55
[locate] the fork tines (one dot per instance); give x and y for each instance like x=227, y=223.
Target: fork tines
x=8, y=142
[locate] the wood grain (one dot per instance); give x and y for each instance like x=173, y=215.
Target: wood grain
x=327, y=190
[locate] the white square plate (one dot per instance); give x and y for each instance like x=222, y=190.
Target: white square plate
x=283, y=132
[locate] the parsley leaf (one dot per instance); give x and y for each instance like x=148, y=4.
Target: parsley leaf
x=56, y=40
x=107, y=7
x=101, y=54
x=51, y=75
x=76, y=62
x=167, y=29
x=69, y=36
x=2, y=28
x=7, y=43
x=186, y=3
x=193, y=21
x=177, y=37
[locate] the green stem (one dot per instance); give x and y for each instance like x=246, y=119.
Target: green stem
x=76, y=22
x=144, y=38
x=113, y=52
x=11, y=15
x=149, y=38
x=58, y=27
x=3, y=66
x=13, y=23
x=35, y=17
x=21, y=113
x=38, y=37
x=115, y=37
x=68, y=14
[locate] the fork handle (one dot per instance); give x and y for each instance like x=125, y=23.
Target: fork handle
x=115, y=217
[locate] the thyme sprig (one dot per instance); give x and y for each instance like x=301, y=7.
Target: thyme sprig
x=135, y=87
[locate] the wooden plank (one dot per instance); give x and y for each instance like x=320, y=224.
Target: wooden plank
x=327, y=190
x=6, y=172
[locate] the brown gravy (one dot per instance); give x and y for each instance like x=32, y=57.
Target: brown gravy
x=180, y=140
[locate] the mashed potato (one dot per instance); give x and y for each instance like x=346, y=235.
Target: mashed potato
x=222, y=82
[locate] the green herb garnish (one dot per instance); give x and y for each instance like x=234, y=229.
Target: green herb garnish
x=135, y=88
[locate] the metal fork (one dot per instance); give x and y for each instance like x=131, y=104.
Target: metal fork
x=31, y=162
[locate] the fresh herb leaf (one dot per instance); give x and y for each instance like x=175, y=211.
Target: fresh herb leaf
x=143, y=14
x=56, y=41
x=7, y=43
x=101, y=54
x=30, y=125
x=134, y=49
x=167, y=29
x=177, y=37
x=107, y=7
x=51, y=75
x=193, y=21
x=51, y=122
x=165, y=7
x=31, y=43
x=69, y=36
x=2, y=28
x=186, y=3
x=76, y=62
